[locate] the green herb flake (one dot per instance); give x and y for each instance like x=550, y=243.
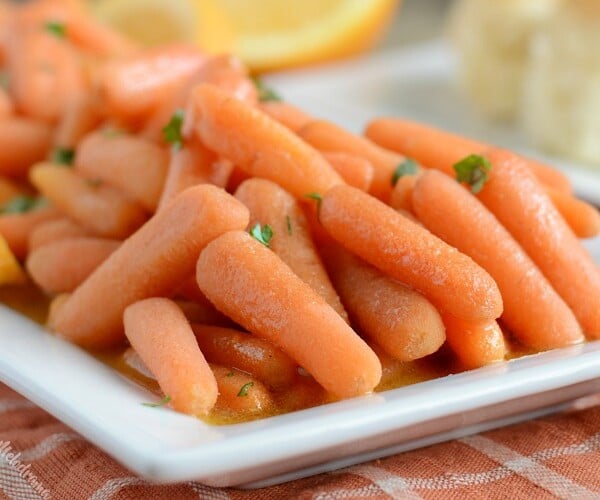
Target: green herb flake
x=407, y=167
x=473, y=170
x=265, y=93
x=244, y=390
x=229, y=374
x=162, y=402
x=172, y=130
x=263, y=234
x=56, y=28
x=22, y=204
x=318, y=198
x=63, y=156
x=288, y=223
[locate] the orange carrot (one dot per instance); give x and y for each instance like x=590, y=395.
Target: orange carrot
x=22, y=142
x=260, y=358
x=410, y=253
x=582, y=218
x=52, y=231
x=438, y=149
x=98, y=208
x=287, y=114
x=401, y=198
x=203, y=313
x=82, y=114
x=355, y=171
x=533, y=311
x=258, y=144
x=398, y=318
x=475, y=344
x=8, y=190
x=152, y=262
x=272, y=206
x=6, y=105
x=327, y=137
x=63, y=265
x=250, y=284
x=160, y=334
x=136, y=166
x=519, y=202
x=16, y=228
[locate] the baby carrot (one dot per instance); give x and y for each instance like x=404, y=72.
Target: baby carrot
x=401, y=198
x=406, y=251
x=260, y=358
x=98, y=208
x=160, y=334
x=438, y=149
x=22, y=142
x=397, y=317
x=16, y=228
x=285, y=113
x=258, y=144
x=152, y=262
x=135, y=166
x=8, y=190
x=272, y=206
x=54, y=230
x=203, y=313
x=533, y=311
x=6, y=105
x=582, y=218
x=250, y=284
x=355, y=171
x=519, y=202
x=328, y=137
x=63, y=265
x=475, y=344
x=82, y=114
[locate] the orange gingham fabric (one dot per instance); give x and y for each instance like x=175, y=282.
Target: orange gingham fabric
x=552, y=457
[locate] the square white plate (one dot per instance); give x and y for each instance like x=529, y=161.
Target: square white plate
x=164, y=446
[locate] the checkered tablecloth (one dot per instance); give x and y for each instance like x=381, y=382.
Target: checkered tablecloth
x=557, y=456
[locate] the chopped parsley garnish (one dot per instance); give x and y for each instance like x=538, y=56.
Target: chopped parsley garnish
x=265, y=93
x=172, y=130
x=244, y=390
x=318, y=198
x=230, y=374
x=22, y=203
x=288, y=223
x=407, y=167
x=63, y=156
x=473, y=170
x=55, y=28
x=162, y=402
x=263, y=234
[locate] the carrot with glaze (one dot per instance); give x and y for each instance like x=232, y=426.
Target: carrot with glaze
x=164, y=340
x=273, y=206
x=287, y=114
x=23, y=141
x=258, y=144
x=54, y=230
x=16, y=228
x=250, y=284
x=582, y=218
x=406, y=251
x=355, y=171
x=152, y=262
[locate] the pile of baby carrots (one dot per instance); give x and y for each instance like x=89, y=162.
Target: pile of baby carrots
x=245, y=250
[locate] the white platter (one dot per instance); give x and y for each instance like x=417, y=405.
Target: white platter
x=164, y=446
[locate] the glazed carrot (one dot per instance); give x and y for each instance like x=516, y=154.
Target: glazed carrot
x=203, y=313
x=406, y=251
x=63, y=265
x=134, y=86
x=8, y=190
x=52, y=231
x=533, y=311
x=253, y=355
x=258, y=144
x=22, y=142
x=97, y=39
x=519, y=202
x=159, y=332
x=16, y=228
x=475, y=344
x=11, y=272
x=398, y=318
x=135, y=166
x=401, y=198
x=285, y=113
x=98, y=208
x=82, y=114
x=328, y=137
x=152, y=262
x=6, y=105
x=582, y=218
x=435, y=148
x=191, y=165
x=239, y=394
x=249, y=283
x=273, y=206
x=355, y=171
